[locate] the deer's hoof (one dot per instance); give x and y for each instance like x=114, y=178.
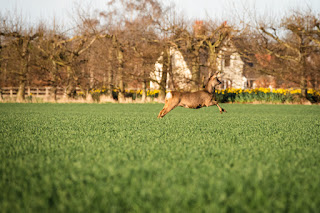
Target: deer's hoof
x=223, y=110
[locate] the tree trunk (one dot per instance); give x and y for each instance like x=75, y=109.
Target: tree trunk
x=23, y=75
x=165, y=68
x=121, y=97
x=1, y=99
x=53, y=93
x=22, y=83
x=21, y=91
x=91, y=79
x=89, y=97
x=144, y=91
x=109, y=85
x=71, y=88
x=212, y=60
x=71, y=91
x=109, y=78
x=303, y=82
x=303, y=86
x=54, y=79
x=195, y=73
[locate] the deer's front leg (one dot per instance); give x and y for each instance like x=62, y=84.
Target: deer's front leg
x=220, y=108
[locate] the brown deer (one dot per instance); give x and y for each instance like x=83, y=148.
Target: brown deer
x=193, y=100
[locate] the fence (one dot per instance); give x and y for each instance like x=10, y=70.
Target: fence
x=41, y=92
x=31, y=91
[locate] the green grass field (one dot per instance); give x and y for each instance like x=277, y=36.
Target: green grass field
x=121, y=158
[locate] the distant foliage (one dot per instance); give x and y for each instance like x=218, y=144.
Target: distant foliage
x=265, y=95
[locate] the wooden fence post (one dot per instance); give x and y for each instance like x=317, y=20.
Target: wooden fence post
x=47, y=93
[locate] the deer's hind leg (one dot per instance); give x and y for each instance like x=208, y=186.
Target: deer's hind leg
x=160, y=115
x=165, y=111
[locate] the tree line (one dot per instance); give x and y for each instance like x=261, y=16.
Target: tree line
x=117, y=48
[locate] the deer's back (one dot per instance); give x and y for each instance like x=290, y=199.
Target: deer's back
x=193, y=99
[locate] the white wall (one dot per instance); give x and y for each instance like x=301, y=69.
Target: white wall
x=234, y=72
x=181, y=73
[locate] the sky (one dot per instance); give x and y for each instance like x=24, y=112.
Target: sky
x=62, y=10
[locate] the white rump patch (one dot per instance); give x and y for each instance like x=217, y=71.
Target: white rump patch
x=169, y=95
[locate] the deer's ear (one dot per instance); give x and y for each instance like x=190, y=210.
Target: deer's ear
x=214, y=74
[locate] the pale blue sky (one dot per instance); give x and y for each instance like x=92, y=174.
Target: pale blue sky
x=34, y=10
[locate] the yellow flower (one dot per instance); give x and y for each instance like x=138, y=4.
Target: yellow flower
x=312, y=91
x=295, y=91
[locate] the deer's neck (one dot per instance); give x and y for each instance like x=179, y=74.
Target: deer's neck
x=210, y=89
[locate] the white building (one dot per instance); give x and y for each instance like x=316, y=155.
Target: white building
x=231, y=67
x=229, y=63
x=181, y=74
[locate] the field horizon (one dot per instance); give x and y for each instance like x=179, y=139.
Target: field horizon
x=121, y=158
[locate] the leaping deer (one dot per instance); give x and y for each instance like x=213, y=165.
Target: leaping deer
x=193, y=100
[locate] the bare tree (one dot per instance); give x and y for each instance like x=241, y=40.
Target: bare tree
x=51, y=47
x=20, y=37
x=201, y=46
x=133, y=27
x=292, y=46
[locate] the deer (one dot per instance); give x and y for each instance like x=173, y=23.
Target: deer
x=193, y=100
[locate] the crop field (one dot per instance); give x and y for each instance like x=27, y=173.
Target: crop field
x=121, y=158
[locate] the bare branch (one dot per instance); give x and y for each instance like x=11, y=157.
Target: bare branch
x=280, y=41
